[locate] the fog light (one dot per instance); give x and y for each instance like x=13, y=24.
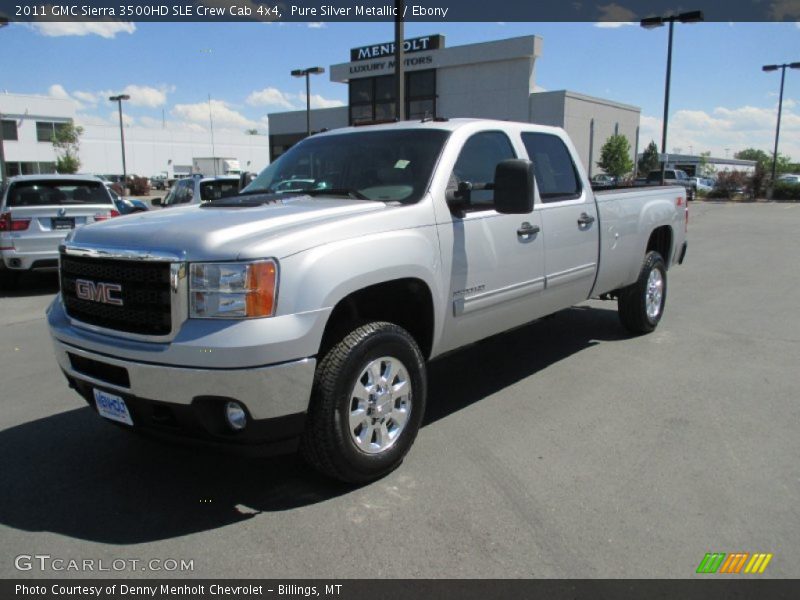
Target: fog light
x=235, y=415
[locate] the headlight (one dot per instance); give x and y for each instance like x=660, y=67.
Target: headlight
x=233, y=290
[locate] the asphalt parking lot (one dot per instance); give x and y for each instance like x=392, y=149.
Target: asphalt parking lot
x=562, y=449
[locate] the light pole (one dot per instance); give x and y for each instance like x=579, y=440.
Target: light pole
x=651, y=23
x=399, y=61
x=768, y=68
x=3, y=23
x=118, y=99
x=307, y=73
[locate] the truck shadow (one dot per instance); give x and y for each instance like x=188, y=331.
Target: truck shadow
x=31, y=284
x=76, y=475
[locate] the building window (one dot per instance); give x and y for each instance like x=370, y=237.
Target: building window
x=29, y=168
x=10, y=131
x=372, y=98
x=45, y=130
x=280, y=143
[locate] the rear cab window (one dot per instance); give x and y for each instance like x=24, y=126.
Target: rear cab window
x=218, y=189
x=553, y=169
x=56, y=193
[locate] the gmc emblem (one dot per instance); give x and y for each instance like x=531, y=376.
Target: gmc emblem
x=98, y=292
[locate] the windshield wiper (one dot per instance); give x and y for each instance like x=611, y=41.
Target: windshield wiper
x=336, y=192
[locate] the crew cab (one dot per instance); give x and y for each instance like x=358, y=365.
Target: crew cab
x=302, y=316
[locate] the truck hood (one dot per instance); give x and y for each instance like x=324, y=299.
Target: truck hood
x=221, y=232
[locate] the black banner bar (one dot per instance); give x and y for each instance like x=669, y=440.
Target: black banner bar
x=712, y=588
x=383, y=10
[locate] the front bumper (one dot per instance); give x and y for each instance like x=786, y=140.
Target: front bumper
x=188, y=403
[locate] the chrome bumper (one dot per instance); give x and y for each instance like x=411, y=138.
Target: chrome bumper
x=268, y=392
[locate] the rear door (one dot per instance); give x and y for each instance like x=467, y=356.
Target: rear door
x=53, y=208
x=569, y=219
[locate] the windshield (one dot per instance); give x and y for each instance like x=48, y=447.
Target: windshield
x=56, y=193
x=217, y=189
x=376, y=165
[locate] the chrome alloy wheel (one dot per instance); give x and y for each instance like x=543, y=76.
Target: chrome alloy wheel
x=380, y=405
x=654, y=294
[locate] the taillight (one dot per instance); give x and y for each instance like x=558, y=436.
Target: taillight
x=9, y=224
x=106, y=216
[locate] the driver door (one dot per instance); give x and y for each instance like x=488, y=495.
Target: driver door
x=496, y=260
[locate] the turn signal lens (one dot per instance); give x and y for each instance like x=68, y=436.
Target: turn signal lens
x=261, y=279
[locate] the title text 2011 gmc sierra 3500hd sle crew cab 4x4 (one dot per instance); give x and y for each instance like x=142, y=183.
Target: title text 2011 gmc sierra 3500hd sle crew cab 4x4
x=301, y=313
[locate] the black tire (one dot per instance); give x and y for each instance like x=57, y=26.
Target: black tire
x=327, y=443
x=632, y=305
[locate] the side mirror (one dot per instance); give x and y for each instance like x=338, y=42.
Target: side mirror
x=513, y=187
x=246, y=179
x=155, y=202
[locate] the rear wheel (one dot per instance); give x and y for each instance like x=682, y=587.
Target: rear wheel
x=641, y=304
x=367, y=404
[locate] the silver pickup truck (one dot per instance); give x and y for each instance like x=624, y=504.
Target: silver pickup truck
x=301, y=313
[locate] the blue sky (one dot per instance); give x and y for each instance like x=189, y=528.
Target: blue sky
x=720, y=98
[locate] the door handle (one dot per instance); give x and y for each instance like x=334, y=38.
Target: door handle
x=527, y=229
x=585, y=220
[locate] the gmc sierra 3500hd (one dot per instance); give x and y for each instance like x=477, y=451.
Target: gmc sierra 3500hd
x=300, y=314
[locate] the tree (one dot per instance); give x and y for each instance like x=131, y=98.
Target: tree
x=615, y=156
x=763, y=167
x=66, y=141
x=706, y=169
x=649, y=160
x=251, y=131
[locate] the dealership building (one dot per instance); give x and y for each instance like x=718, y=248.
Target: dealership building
x=494, y=80
x=28, y=124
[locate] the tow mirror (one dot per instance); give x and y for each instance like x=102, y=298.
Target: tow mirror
x=513, y=187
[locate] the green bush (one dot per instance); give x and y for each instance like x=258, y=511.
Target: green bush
x=786, y=191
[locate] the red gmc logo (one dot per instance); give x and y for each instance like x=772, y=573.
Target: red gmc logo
x=98, y=292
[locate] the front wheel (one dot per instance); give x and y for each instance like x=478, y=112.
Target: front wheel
x=367, y=404
x=641, y=304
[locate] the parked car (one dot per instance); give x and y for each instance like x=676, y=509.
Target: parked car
x=38, y=211
x=703, y=184
x=194, y=190
x=602, y=180
x=275, y=321
x=159, y=182
x=126, y=206
x=673, y=177
x=789, y=178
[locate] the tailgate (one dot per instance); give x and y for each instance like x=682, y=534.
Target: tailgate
x=49, y=225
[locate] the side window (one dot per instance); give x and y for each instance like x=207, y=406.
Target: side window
x=477, y=162
x=553, y=168
x=181, y=193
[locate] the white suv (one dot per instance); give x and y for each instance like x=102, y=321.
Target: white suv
x=194, y=190
x=38, y=211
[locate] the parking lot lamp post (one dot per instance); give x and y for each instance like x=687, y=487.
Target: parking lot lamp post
x=768, y=68
x=3, y=23
x=651, y=23
x=118, y=99
x=307, y=73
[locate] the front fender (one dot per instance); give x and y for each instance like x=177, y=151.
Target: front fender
x=321, y=277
